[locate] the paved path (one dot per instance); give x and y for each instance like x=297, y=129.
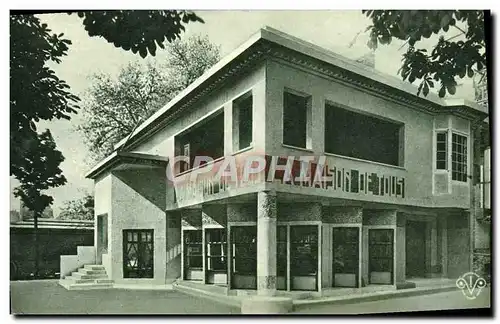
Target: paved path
x=47, y=297
x=446, y=300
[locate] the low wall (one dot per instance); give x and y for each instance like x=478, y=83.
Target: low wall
x=69, y=263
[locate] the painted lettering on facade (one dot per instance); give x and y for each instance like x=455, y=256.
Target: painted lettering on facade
x=309, y=173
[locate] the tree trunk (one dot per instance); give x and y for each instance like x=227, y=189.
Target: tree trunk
x=37, y=254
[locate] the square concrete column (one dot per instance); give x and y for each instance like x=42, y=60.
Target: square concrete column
x=266, y=243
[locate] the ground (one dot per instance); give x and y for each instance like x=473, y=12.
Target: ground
x=47, y=297
x=440, y=301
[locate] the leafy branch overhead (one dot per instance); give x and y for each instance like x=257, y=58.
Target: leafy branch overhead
x=459, y=55
x=138, y=30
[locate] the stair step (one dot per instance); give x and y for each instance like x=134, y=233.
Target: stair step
x=85, y=286
x=94, y=267
x=81, y=275
x=91, y=272
x=76, y=280
x=104, y=280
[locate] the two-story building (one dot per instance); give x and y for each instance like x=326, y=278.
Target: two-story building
x=220, y=187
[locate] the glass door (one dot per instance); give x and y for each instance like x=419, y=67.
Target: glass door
x=138, y=252
x=304, y=257
x=193, y=255
x=381, y=256
x=216, y=256
x=345, y=257
x=244, y=257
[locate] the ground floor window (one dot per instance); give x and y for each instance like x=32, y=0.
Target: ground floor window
x=304, y=257
x=138, y=249
x=244, y=257
x=381, y=256
x=345, y=256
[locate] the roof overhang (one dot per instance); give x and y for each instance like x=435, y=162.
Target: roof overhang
x=119, y=159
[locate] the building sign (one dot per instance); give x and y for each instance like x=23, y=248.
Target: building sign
x=294, y=171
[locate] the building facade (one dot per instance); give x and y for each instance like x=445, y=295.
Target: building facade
x=482, y=184
x=288, y=167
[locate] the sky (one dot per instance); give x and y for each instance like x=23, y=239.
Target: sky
x=340, y=31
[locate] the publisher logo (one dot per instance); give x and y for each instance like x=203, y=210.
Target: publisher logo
x=471, y=284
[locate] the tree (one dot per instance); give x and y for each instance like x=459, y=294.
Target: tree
x=113, y=108
x=82, y=208
x=461, y=54
x=188, y=59
x=138, y=30
x=36, y=93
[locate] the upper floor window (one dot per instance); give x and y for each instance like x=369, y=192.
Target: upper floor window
x=459, y=157
x=441, y=151
x=242, y=121
x=357, y=135
x=296, y=116
x=204, y=139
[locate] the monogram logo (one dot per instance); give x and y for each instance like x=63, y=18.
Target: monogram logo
x=471, y=284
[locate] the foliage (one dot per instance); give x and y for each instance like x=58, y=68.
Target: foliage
x=448, y=59
x=39, y=171
x=113, y=108
x=188, y=59
x=82, y=208
x=138, y=30
x=36, y=93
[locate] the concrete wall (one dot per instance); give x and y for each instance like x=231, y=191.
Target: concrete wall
x=102, y=205
x=482, y=235
x=342, y=215
x=299, y=212
x=458, y=249
x=173, y=245
x=242, y=212
x=400, y=274
x=138, y=203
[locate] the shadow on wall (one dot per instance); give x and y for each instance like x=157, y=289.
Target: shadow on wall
x=148, y=183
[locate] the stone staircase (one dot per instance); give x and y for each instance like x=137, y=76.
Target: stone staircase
x=91, y=276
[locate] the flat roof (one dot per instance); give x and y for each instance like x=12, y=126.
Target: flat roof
x=293, y=43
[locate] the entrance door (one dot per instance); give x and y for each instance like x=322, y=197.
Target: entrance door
x=415, y=249
x=138, y=252
x=345, y=256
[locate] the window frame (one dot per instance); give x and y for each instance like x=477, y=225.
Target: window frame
x=447, y=158
x=464, y=170
x=308, y=122
x=236, y=104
